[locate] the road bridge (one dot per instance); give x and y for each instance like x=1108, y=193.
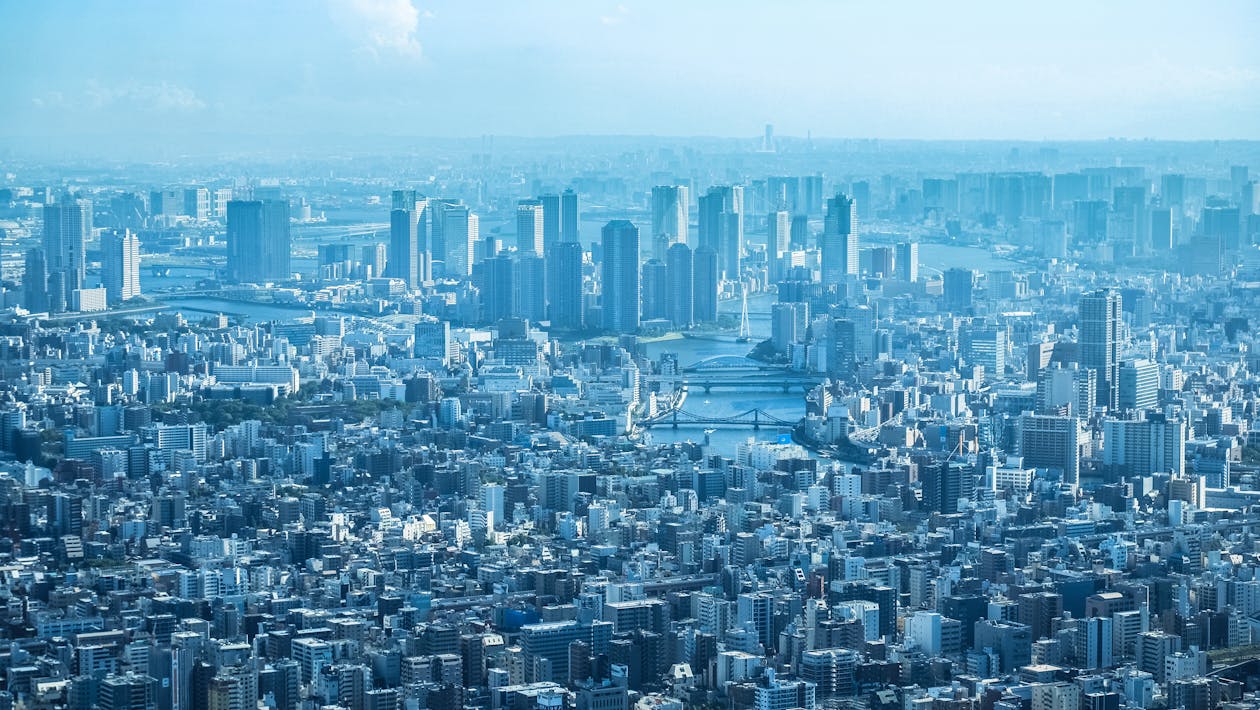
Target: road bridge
x=755, y=418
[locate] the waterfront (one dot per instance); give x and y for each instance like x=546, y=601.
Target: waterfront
x=720, y=403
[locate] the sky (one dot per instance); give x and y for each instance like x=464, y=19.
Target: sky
x=76, y=70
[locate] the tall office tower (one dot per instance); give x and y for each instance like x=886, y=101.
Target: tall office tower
x=1161, y=236
x=67, y=226
x=1149, y=444
x=778, y=232
x=35, y=282
x=620, y=272
x=407, y=257
x=551, y=219
x=1100, y=342
x=404, y=199
x=907, y=261
x=670, y=213
x=782, y=193
x=1128, y=215
x=721, y=226
x=1051, y=442
x=958, y=289
x=439, y=247
x=1089, y=221
x=655, y=289
x=529, y=288
x=681, y=276
x=861, y=193
x=706, y=276
x=811, y=199
x=778, y=239
x=120, y=265
x=569, y=216
x=1222, y=225
x=258, y=240
x=1172, y=190
x=800, y=231
x=564, y=286
x=494, y=277
x=460, y=232
x=840, y=240
x=529, y=227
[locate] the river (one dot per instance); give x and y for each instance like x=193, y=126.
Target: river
x=722, y=403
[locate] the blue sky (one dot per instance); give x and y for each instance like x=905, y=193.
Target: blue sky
x=1069, y=69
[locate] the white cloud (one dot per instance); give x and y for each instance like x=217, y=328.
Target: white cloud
x=382, y=26
x=616, y=17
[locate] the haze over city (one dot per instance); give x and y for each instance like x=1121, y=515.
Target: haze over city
x=395, y=355
x=312, y=72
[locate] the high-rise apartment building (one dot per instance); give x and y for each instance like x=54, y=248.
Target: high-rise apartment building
x=721, y=226
x=1100, y=342
x=670, y=214
x=67, y=227
x=906, y=260
x=259, y=242
x=706, y=275
x=680, y=275
x=120, y=265
x=564, y=286
x=840, y=240
x=569, y=216
x=529, y=227
x=620, y=271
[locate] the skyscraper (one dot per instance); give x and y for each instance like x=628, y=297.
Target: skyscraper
x=529, y=288
x=67, y=226
x=1161, y=238
x=569, y=216
x=564, y=285
x=907, y=261
x=460, y=232
x=704, y=285
x=551, y=219
x=407, y=257
x=655, y=289
x=840, y=240
x=722, y=226
x=620, y=282
x=778, y=240
x=670, y=213
x=1100, y=342
x=529, y=227
x=120, y=265
x=439, y=248
x=258, y=240
x=681, y=278
x=495, y=278
x=35, y=282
